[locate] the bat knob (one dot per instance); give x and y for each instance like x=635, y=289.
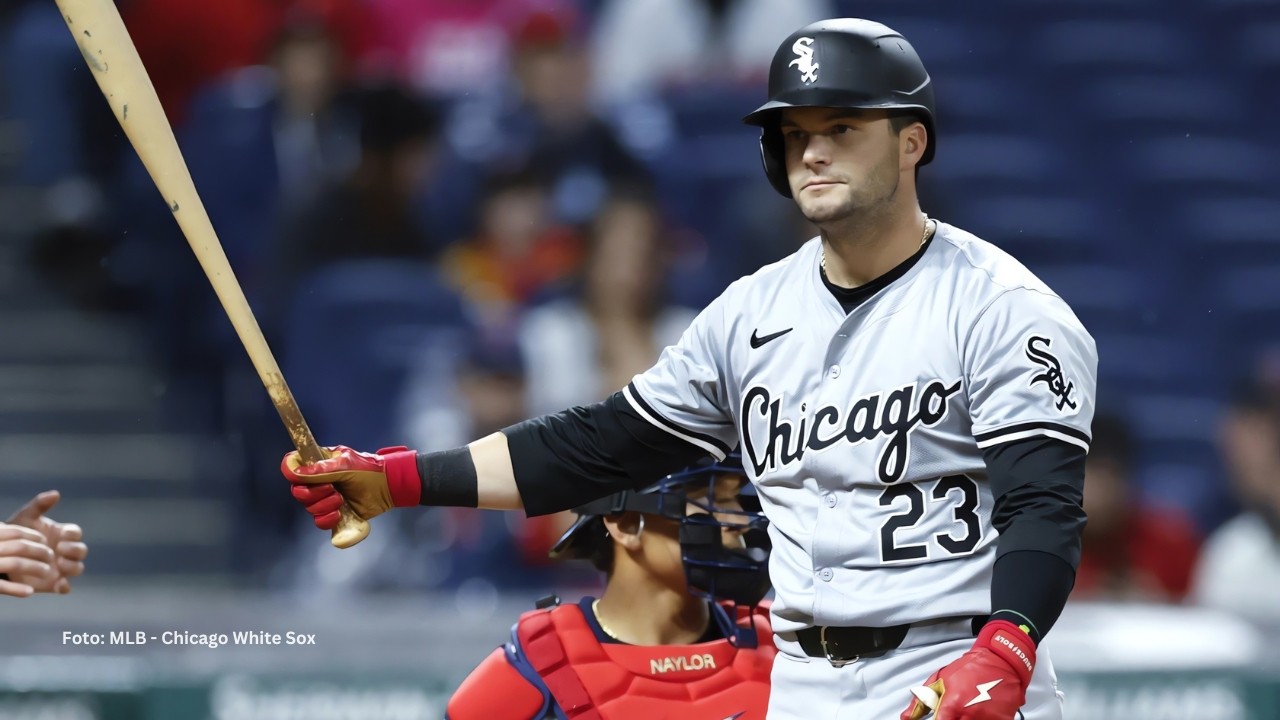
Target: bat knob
x=924, y=694
x=351, y=528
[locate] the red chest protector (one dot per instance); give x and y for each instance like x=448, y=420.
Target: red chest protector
x=591, y=680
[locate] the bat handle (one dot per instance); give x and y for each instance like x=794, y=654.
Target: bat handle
x=351, y=527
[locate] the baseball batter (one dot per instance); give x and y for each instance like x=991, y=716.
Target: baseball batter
x=912, y=404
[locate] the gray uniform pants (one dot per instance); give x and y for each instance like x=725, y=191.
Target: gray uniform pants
x=805, y=688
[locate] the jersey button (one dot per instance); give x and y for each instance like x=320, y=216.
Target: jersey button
x=834, y=372
x=825, y=574
x=831, y=500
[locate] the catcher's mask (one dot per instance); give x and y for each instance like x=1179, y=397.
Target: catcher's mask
x=725, y=575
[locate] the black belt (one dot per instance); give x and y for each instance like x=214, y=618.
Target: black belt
x=844, y=645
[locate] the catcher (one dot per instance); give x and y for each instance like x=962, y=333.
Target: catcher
x=679, y=630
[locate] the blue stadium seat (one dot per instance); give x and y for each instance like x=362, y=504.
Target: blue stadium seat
x=1037, y=229
x=1084, y=8
x=1162, y=103
x=711, y=142
x=356, y=330
x=1251, y=288
x=1200, y=164
x=976, y=102
x=1240, y=12
x=1230, y=231
x=1114, y=45
x=1017, y=161
x=1256, y=45
x=1153, y=360
x=1121, y=298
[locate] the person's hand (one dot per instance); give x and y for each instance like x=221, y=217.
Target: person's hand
x=63, y=543
x=989, y=682
x=26, y=560
x=371, y=483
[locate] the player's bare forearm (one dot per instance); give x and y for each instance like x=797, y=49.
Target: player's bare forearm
x=495, y=477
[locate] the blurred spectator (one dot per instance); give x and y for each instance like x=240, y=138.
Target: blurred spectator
x=449, y=47
x=1131, y=551
x=1240, y=568
x=644, y=48
x=547, y=121
x=262, y=142
x=372, y=212
x=582, y=348
x=66, y=129
x=517, y=251
x=66, y=147
x=447, y=406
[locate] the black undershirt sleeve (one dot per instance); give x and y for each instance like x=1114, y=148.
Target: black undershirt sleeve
x=1038, y=484
x=569, y=458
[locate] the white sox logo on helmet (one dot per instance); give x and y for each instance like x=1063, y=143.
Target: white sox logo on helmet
x=803, y=48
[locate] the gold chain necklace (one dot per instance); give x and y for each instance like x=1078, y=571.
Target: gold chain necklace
x=928, y=230
x=595, y=608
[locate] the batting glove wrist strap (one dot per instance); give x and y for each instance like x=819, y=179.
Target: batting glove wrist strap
x=1011, y=644
x=401, y=466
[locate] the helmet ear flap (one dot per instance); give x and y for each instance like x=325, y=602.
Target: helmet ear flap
x=773, y=153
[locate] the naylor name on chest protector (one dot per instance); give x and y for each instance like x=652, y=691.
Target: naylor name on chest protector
x=591, y=680
x=892, y=414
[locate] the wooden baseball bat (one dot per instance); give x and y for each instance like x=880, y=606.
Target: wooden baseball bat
x=111, y=55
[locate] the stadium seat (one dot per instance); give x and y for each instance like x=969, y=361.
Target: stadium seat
x=1018, y=160
x=1195, y=164
x=1144, y=104
x=366, y=324
x=1113, y=45
x=1037, y=229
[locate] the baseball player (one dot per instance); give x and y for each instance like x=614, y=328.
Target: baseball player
x=678, y=632
x=912, y=404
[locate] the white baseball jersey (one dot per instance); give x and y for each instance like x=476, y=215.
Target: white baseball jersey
x=864, y=432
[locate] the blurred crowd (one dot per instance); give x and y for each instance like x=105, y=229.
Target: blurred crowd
x=451, y=215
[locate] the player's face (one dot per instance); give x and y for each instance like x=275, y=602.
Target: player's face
x=841, y=163
x=664, y=554
x=724, y=496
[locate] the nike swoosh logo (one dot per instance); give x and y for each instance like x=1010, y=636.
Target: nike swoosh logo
x=735, y=717
x=757, y=341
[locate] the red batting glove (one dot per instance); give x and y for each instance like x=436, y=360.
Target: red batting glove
x=989, y=682
x=371, y=483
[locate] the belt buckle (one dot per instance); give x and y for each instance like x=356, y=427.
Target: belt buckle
x=835, y=662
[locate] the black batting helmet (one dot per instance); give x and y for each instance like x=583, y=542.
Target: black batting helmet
x=841, y=63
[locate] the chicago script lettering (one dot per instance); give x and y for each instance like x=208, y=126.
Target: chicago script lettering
x=891, y=413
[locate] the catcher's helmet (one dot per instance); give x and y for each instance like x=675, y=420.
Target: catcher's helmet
x=739, y=576
x=841, y=63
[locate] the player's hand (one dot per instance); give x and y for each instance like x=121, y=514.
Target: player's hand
x=371, y=483
x=63, y=551
x=989, y=682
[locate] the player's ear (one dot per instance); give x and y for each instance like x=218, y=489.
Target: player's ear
x=912, y=142
x=625, y=529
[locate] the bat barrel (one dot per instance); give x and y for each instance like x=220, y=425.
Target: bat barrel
x=102, y=38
